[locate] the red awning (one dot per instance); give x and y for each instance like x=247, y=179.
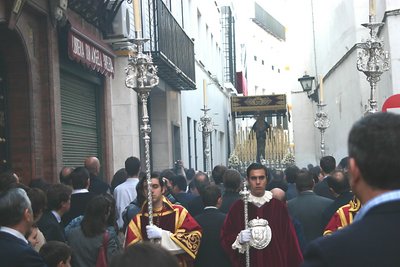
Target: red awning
x=88, y=49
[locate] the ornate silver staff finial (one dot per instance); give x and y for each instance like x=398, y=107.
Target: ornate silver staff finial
x=141, y=76
x=245, y=193
x=322, y=122
x=372, y=60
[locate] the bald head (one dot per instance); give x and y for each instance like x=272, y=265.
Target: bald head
x=338, y=181
x=278, y=194
x=92, y=164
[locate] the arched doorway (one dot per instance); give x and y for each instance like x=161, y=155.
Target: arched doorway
x=15, y=114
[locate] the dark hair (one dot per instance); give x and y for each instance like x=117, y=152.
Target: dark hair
x=343, y=163
x=315, y=171
x=210, y=195
x=54, y=252
x=132, y=166
x=144, y=254
x=256, y=166
x=291, y=173
x=119, y=177
x=140, y=196
x=79, y=178
x=167, y=173
x=374, y=144
x=65, y=179
x=338, y=181
x=7, y=181
x=328, y=164
x=304, y=181
x=201, y=181
x=179, y=181
x=190, y=173
x=232, y=180
x=95, y=219
x=38, y=201
x=56, y=195
x=218, y=173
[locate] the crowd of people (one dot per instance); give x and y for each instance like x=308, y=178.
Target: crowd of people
x=342, y=214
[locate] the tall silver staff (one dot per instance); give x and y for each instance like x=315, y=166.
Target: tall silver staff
x=141, y=76
x=245, y=196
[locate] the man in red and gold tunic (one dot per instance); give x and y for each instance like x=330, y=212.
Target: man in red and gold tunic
x=172, y=224
x=271, y=235
x=343, y=216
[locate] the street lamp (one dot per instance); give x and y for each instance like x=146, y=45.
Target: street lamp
x=306, y=83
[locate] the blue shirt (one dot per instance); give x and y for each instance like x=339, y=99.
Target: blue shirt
x=383, y=198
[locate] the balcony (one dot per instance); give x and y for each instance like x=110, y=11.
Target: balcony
x=172, y=50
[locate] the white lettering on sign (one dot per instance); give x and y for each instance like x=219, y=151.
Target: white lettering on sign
x=77, y=47
x=91, y=55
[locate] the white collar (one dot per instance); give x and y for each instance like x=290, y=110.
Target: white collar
x=58, y=217
x=259, y=201
x=78, y=191
x=13, y=232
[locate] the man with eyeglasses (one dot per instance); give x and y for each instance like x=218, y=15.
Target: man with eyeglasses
x=270, y=234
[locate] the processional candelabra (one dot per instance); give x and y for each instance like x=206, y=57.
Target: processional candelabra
x=322, y=122
x=372, y=59
x=141, y=76
x=206, y=126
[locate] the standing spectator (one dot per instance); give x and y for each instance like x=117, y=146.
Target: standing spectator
x=179, y=187
x=178, y=231
x=97, y=186
x=232, y=182
x=64, y=175
x=339, y=185
x=125, y=193
x=87, y=239
x=16, y=218
x=58, y=203
x=290, y=176
x=308, y=207
x=372, y=239
x=144, y=254
x=119, y=177
x=80, y=196
x=211, y=220
x=277, y=243
x=196, y=206
x=56, y=254
x=328, y=165
x=217, y=175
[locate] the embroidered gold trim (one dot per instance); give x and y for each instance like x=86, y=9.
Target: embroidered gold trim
x=189, y=242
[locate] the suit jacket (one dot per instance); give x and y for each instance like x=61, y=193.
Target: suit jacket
x=307, y=207
x=372, y=241
x=211, y=253
x=97, y=186
x=340, y=201
x=322, y=189
x=51, y=229
x=228, y=198
x=195, y=206
x=14, y=252
x=79, y=202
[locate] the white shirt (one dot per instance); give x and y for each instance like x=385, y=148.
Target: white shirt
x=124, y=194
x=13, y=232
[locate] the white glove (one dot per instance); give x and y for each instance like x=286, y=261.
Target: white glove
x=153, y=232
x=245, y=236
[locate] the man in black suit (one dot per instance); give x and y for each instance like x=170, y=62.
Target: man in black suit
x=328, y=165
x=196, y=205
x=372, y=239
x=97, y=185
x=211, y=220
x=58, y=203
x=80, y=196
x=308, y=207
x=16, y=219
x=339, y=185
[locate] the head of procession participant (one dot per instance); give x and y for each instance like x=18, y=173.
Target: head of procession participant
x=157, y=192
x=257, y=179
